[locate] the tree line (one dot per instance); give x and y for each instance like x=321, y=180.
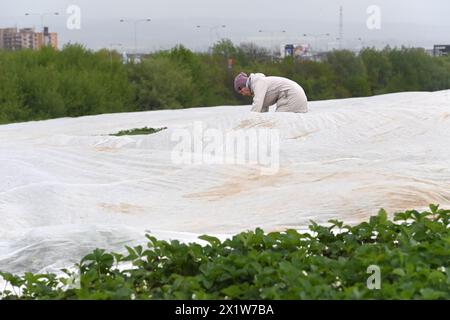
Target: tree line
x=75, y=81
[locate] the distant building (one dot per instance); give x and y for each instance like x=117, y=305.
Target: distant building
x=441, y=50
x=125, y=59
x=27, y=38
x=289, y=50
x=429, y=52
x=8, y=38
x=300, y=52
x=50, y=38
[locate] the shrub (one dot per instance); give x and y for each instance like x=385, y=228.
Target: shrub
x=75, y=81
x=72, y=82
x=331, y=262
x=137, y=131
x=161, y=83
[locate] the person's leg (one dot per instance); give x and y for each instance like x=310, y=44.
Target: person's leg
x=265, y=109
x=282, y=103
x=292, y=103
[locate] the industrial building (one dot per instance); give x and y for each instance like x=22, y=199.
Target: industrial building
x=441, y=50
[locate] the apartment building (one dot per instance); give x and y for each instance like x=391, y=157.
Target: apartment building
x=27, y=38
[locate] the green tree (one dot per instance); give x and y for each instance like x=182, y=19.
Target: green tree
x=350, y=73
x=379, y=69
x=160, y=83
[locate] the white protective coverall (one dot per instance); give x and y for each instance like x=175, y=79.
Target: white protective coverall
x=287, y=94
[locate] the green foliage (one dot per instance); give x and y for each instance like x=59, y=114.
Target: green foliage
x=379, y=69
x=224, y=48
x=330, y=262
x=137, y=131
x=161, y=83
x=74, y=81
x=414, y=70
x=350, y=73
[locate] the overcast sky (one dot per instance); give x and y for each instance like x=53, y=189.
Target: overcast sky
x=403, y=22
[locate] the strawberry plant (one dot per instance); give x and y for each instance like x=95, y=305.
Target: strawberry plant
x=137, y=131
x=411, y=252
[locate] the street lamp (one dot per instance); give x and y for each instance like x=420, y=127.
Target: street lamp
x=316, y=36
x=135, y=21
x=273, y=31
x=211, y=28
x=42, y=15
x=357, y=38
x=272, y=37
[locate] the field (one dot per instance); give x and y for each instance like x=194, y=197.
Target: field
x=69, y=187
x=377, y=259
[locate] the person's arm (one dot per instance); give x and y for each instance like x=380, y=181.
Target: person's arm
x=260, y=91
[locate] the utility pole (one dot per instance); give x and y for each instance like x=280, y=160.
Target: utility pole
x=135, y=22
x=42, y=15
x=45, y=35
x=273, y=39
x=341, y=26
x=211, y=29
